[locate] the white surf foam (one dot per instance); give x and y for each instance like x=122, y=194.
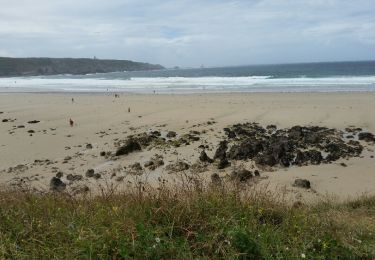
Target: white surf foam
x=186, y=84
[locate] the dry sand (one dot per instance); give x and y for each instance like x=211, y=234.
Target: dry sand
x=101, y=120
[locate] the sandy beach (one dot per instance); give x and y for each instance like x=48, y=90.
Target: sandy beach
x=33, y=152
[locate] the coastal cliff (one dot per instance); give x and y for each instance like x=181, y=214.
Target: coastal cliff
x=53, y=66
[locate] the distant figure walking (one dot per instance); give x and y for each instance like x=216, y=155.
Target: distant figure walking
x=71, y=122
x=128, y=109
x=72, y=100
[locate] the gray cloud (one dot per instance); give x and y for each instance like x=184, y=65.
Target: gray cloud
x=190, y=32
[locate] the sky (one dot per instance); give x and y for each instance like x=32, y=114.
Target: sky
x=189, y=33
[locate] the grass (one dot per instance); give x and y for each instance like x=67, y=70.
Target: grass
x=182, y=224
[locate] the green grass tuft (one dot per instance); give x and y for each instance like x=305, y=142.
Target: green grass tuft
x=182, y=224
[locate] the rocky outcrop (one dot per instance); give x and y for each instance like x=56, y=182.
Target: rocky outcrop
x=298, y=145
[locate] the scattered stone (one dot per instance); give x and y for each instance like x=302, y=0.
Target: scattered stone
x=203, y=157
x=177, y=167
x=21, y=126
x=102, y=153
x=136, y=166
x=97, y=176
x=59, y=175
x=5, y=120
x=130, y=146
x=89, y=146
x=31, y=131
x=343, y=164
x=57, y=185
x=71, y=177
x=302, y=183
x=171, y=134
x=148, y=164
x=33, y=122
x=120, y=178
x=256, y=173
x=90, y=173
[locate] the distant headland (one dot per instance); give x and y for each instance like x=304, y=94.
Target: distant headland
x=11, y=67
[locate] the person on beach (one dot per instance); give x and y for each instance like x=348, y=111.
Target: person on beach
x=71, y=122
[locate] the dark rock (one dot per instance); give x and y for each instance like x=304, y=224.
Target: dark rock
x=136, y=166
x=203, y=157
x=302, y=183
x=90, y=173
x=221, y=150
x=156, y=133
x=57, y=185
x=231, y=134
x=247, y=149
x=88, y=146
x=178, y=166
x=343, y=165
x=223, y=163
x=21, y=126
x=102, y=153
x=71, y=177
x=171, y=134
x=130, y=146
x=366, y=136
x=5, y=120
x=148, y=164
x=315, y=156
x=256, y=173
x=31, y=131
x=59, y=175
x=295, y=132
x=241, y=175
x=266, y=159
x=97, y=176
x=33, y=122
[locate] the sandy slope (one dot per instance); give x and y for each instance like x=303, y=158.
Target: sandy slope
x=101, y=119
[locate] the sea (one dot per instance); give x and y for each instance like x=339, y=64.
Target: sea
x=302, y=77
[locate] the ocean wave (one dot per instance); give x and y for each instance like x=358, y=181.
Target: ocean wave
x=191, y=84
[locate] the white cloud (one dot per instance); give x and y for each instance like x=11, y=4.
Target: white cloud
x=190, y=32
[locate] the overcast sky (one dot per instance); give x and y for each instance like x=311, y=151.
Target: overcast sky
x=190, y=32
